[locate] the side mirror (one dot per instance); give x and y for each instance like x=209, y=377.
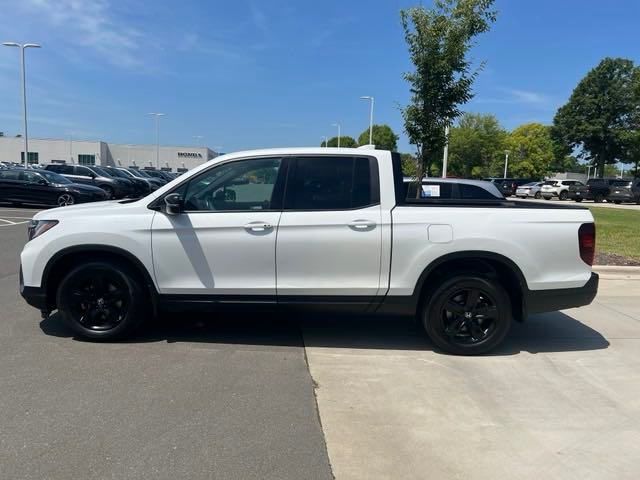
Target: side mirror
x=42, y=181
x=173, y=203
x=92, y=175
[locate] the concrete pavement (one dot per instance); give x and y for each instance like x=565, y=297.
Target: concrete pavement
x=561, y=399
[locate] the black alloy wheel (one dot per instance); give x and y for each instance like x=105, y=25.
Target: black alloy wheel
x=101, y=301
x=65, y=199
x=537, y=196
x=468, y=315
x=563, y=195
x=109, y=191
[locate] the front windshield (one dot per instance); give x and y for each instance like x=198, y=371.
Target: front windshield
x=100, y=171
x=114, y=172
x=54, y=177
x=137, y=173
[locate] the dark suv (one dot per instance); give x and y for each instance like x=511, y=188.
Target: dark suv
x=88, y=175
x=140, y=186
x=596, y=189
x=625, y=191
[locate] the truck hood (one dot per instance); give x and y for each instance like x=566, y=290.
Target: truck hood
x=82, y=209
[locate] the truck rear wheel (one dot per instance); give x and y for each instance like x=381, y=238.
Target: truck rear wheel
x=467, y=315
x=101, y=300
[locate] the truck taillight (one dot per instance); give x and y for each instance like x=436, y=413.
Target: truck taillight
x=587, y=242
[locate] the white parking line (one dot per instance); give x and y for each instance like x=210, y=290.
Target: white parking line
x=8, y=223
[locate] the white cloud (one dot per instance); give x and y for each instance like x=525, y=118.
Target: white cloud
x=524, y=96
x=514, y=96
x=92, y=24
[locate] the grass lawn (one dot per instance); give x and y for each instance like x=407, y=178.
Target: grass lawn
x=617, y=231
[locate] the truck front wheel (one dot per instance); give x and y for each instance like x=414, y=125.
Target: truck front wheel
x=101, y=300
x=467, y=315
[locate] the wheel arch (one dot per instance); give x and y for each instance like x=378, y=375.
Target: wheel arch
x=69, y=257
x=487, y=263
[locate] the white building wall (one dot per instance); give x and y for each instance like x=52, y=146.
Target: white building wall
x=48, y=149
x=169, y=156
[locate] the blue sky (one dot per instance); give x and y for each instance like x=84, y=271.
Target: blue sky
x=249, y=73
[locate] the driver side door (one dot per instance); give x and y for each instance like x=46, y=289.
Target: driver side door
x=224, y=241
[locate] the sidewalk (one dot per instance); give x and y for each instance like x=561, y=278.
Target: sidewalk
x=559, y=400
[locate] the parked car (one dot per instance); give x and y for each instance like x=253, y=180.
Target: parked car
x=557, y=188
x=159, y=174
x=625, y=191
x=113, y=187
x=531, y=189
x=153, y=183
x=596, y=189
x=143, y=174
x=42, y=187
x=508, y=186
x=140, y=186
x=342, y=229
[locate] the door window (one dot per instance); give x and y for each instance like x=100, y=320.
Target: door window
x=237, y=186
x=31, y=177
x=84, y=171
x=332, y=183
x=9, y=174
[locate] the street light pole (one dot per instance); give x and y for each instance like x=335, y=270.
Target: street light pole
x=24, y=92
x=506, y=162
x=157, y=115
x=337, y=125
x=371, y=101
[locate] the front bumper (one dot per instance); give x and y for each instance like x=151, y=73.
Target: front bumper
x=538, y=301
x=34, y=296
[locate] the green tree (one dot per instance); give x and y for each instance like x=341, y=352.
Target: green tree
x=531, y=151
x=409, y=165
x=600, y=112
x=474, y=144
x=439, y=40
x=383, y=138
x=345, y=142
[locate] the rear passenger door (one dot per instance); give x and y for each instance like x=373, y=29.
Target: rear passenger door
x=329, y=236
x=82, y=175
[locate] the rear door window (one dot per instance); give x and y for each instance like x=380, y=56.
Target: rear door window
x=332, y=183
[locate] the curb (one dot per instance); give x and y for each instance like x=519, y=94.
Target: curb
x=613, y=272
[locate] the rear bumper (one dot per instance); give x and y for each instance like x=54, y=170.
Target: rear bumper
x=34, y=296
x=538, y=301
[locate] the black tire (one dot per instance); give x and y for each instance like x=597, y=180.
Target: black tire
x=617, y=202
x=578, y=200
x=537, y=196
x=65, y=199
x=547, y=198
x=563, y=195
x=598, y=198
x=101, y=300
x=452, y=320
x=109, y=191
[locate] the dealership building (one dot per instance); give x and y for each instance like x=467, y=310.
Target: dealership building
x=82, y=152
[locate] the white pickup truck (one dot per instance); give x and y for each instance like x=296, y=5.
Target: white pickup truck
x=319, y=228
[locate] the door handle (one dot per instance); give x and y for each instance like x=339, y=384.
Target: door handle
x=362, y=224
x=258, y=226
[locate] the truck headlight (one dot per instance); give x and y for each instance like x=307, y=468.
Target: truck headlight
x=38, y=227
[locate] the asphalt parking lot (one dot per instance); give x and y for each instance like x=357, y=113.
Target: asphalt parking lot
x=196, y=397
x=586, y=203
x=193, y=400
